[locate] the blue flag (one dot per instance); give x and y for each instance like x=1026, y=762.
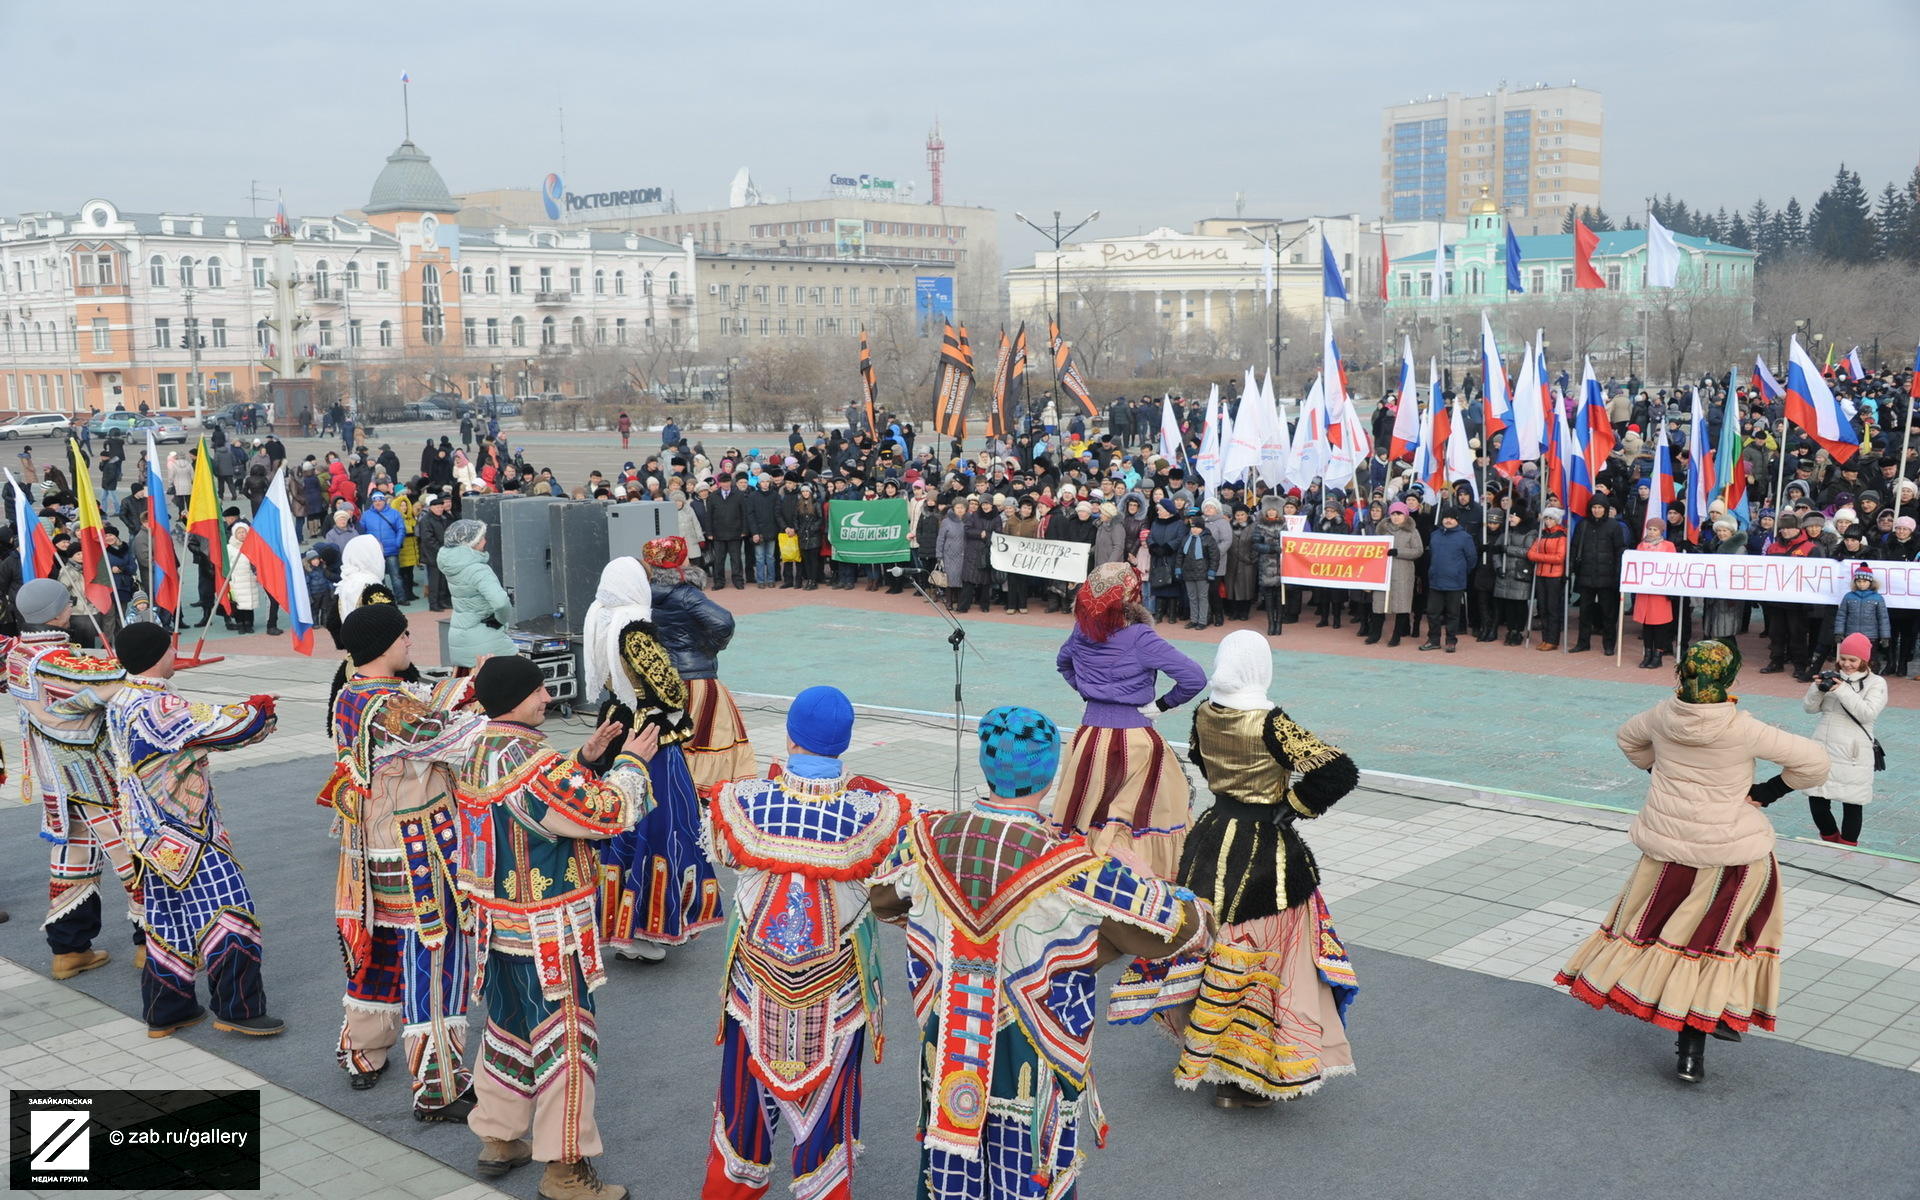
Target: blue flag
x=1332, y=287
x=1513, y=262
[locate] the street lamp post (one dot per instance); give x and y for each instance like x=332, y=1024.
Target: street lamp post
x=733, y=363
x=1057, y=235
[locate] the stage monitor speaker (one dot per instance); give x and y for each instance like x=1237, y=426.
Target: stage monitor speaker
x=631, y=526
x=577, y=533
x=485, y=508
x=525, y=566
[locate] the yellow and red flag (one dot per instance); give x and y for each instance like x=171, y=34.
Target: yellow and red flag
x=94, y=568
x=203, y=519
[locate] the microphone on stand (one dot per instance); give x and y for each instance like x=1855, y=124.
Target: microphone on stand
x=898, y=571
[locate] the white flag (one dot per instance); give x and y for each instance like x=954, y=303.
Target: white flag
x=1663, y=254
x=1308, y=456
x=1276, y=444
x=1171, y=445
x=1459, y=454
x=1207, y=461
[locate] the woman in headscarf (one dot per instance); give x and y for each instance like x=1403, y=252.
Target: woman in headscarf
x=1693, y=942
x=694, y=630
x=950, y=553
x=667, y=892
x=1266, y=1018
x=1164, y=539
x=1122, y=786
x=363, y=575
x=481, y=608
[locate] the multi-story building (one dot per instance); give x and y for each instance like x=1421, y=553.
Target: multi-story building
x=101, y=306
x=1536, y=149
x=747, y=300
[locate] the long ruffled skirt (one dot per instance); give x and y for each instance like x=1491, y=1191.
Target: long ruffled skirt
x=718, y=752
x=657, y=885
x=1687, y=947
x=1123, y=789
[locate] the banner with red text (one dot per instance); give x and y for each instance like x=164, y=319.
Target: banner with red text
x=1335, y=560
x=1766, y=578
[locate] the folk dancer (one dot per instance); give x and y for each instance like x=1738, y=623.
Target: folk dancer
x=803, y=982
x=1265, y=1019
x=198, y=912
x=61, y=695
x=397, y=906
x=694, y=630
x=658, y=886
x=530, y=819
x=1122, y=787
x=1007, y=924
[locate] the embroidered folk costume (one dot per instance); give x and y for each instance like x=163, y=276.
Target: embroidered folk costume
x=658, y=887
x=694, y=630
x=396, y=905
x=1265, y=1019
x=198, y=913
x=1122, y=786
x=60, y=696
x=530, y=821
x=803, y=982
x=1693, y=942
x=1007, y=924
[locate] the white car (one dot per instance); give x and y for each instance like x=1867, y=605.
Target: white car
x=37, y=425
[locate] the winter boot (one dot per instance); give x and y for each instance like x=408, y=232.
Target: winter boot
x=577, y=1181
x=1373, y=627
x=1399, y=629
x=497, y=1157
x=1692, y=1050
x=66, y=966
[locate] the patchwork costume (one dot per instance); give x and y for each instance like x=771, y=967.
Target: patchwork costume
x=694, y=629
x=803, y=982
x=536, y=939
x=198, y=913
x=61, y=696
x=397, y=906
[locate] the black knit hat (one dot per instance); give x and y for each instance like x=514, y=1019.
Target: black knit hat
x=503, y=681
x=369, y=630
x=140, y=645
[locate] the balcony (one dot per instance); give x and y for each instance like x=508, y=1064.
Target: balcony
x=548, y=296
x=555, y=349
x=321, y=295
x=680, y=300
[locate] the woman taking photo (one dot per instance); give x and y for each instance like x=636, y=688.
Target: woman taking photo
x=1849, y=701
x=1693, y=942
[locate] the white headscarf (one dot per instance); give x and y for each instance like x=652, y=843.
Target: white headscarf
x=623, y=597
x=1242, y=672
x=361, y=563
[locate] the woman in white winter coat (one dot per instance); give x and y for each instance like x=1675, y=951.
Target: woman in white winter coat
x=242, y=586
x=1849, y=701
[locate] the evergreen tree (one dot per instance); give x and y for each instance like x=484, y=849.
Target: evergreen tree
x=1841, y=223
x=1599, y=221
x=1679, y=220
x=1793, y=227
x=1739, y=233
x=1566, y=223
x=1890, y=221
x=1722, y=223
x=1630, y=223
x=1909, y=241
x=1760, y=223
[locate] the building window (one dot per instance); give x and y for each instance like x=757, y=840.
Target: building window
x=547, y=331
x=673, y=283
x=599, y=283
x=1537, y=280
x=493, y=331
x=215, y=276
x=513, y=280
x=386, y=333
x=519, y=331
x=156, y=272
x=646, y=283
x=546, y=279
x=491, y=281
x=765, y=324
x=432, y=322
x=326, y=333
x=380, y=278
x=353, y=334
x=573, y=280
x=166, y=389
x=1566, y=279
x=470, y=332
x=350, y=277
x=783, y=327
x=619, y=283
x=322, y=278
x=600, y=331
x=102, y=336
x=466, y=281
x=837, y=296
x=620, y=331
x=577, y=331
x=263, y=336
x=162, y=333
x=219, y=335
x=1613, y=278
x=260, y=272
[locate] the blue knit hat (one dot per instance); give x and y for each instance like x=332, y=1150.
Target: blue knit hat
x=1019, y=750
x=820, y=721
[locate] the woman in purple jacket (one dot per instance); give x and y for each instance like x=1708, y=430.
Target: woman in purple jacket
x=1121, y=785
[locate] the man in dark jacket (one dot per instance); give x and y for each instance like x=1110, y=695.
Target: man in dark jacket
x=1594, y=559
x=763, y=529
x=727, y=524
x=1451, y=555
x=431, y=528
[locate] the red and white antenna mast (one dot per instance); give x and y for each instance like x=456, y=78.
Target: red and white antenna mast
x=936, y=162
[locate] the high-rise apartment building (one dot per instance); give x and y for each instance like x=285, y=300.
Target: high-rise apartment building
x=1535, y=149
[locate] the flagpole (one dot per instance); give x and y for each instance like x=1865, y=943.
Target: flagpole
x=226, y=585
x=1906, y=440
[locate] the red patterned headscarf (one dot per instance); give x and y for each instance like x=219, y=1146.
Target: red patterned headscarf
x=1108, y=602
x=669, y=553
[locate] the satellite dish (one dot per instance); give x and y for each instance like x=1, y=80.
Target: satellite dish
x=742, y=192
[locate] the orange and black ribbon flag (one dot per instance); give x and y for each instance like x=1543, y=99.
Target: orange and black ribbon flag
x=1071, y=381
x=953, y=384
x=1009, y=376
x=867, y=383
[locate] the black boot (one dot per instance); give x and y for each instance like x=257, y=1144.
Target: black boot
x=1692, y=1050
x=1399, y=629
x=1372, y=628
x=1646, y=659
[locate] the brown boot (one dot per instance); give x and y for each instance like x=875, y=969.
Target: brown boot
x=497, y=1157
x=66, y=966
x=140, y=957
x=577, y=1181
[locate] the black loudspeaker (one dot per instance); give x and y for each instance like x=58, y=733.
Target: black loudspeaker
x=485, y=508
x=577, y=536
x=524, y=565
x=631, y=526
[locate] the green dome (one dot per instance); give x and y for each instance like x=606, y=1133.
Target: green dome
x=408, y=183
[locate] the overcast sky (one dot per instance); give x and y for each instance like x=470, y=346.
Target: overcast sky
x=1156, y=114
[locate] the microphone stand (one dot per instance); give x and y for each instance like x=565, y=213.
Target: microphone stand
x=958, y=640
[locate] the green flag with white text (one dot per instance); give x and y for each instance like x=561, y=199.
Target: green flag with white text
x=867, y=531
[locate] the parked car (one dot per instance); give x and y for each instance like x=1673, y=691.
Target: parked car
x=118, y=422
x=33, y=425
x=164, y=429
x=227, y=415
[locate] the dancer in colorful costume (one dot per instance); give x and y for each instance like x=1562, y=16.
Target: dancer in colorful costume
x=1006, y=925
x=803, y=982
x=397, y=905
x=60, y=696
x=198, y=913
x=1693, y=942
x=658, y=888
x=1265, y=1019
x=530, y=817
x=694, y=630
x=1122, y=786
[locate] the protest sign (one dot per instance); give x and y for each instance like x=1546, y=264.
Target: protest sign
x=1762, y=578
x=1335, y=560
x=1064, y=561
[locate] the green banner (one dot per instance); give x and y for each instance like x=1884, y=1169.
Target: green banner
x=868, y=531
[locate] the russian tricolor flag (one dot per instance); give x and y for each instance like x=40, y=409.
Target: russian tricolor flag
x=1497, y=404
x=1662, y=483
x=273, y=547
x=1856, y=371
x=1406, y=418
x=166, y=562
x=1764, y=383
x=1596, y=432
x=37, y=559
x=1699, y=469
x=1811, y=405
x=1913, y=380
